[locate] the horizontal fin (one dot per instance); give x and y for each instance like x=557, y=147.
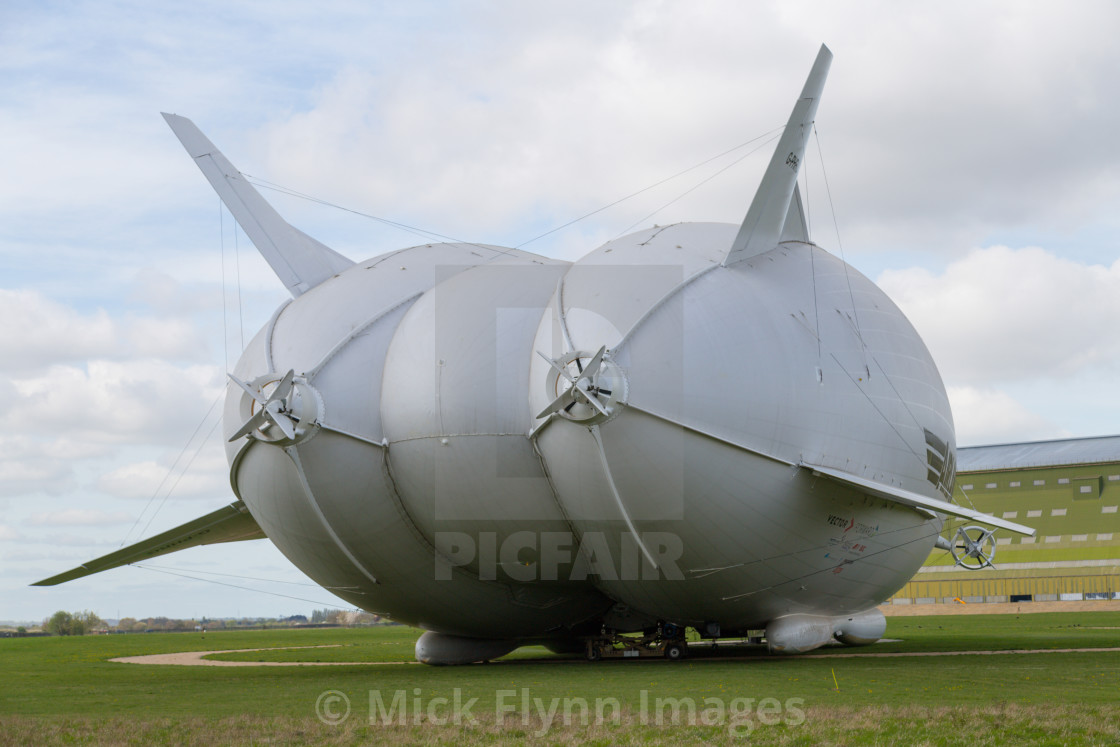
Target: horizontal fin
x=233, y=523
x=298, y=260
x=916, y=500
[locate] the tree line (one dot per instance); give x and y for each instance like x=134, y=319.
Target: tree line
x=81, y=623
x=72, y=623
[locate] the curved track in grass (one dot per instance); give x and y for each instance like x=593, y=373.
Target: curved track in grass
x=197, y=658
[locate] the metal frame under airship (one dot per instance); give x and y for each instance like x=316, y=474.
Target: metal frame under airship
x=706, y=425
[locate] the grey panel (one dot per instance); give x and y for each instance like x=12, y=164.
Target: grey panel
x=357, y=498
x=1039, y=454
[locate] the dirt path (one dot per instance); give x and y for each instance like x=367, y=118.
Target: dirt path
x=195, y=659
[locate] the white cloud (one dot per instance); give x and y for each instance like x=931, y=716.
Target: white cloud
x=7, y=534
x=1025, y=340
x=37, y=331
x=31, y=465
x=990, y=416
x=177, y=339
x=135, y=401
x=555, y=116
x=79, y=517
x=1001, y=314
x=206, y=477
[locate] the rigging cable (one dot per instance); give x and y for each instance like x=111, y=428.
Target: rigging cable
x=858, y=330
x=249, y=578
x=186, y=467
x=658, y=184
x=421, y=232
x=751, y=152
x=232, y=586
x=225, y=315
x=426, y=234
x=240, y=305
x=839, y=244
x=171, y=469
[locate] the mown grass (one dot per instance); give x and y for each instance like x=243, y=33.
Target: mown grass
x=64, y=690
x=998, y=724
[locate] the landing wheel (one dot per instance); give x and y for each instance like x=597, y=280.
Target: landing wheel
x=593, y=653
x=674, y=651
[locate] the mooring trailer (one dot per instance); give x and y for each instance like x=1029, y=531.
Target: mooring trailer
x=667, y=641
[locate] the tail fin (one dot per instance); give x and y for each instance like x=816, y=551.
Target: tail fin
x=774, y=205
x=298, y=260
x=233, y=523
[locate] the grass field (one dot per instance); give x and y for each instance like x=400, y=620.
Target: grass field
x=64, y=690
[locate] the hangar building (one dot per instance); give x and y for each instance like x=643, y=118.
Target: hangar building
x=1067, y=490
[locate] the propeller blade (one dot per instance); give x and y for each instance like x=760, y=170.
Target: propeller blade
x=251, y=425
x=594, y=402
x=283, y=422
x=561, y=402
x=593, y=365
x=557, y=367
x=284, y=388
x=257, y=396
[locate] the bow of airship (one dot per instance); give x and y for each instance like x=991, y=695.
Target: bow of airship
x=696, y=425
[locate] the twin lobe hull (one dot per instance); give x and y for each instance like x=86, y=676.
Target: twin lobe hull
x=434, y=490
x=698, y=424
x=498, y=446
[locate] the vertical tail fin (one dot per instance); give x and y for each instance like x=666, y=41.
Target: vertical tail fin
x=762, y=228
x=298, y=260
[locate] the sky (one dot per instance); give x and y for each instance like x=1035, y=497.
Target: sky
x=965, y=160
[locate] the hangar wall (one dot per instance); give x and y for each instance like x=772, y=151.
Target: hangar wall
x=1068, y=490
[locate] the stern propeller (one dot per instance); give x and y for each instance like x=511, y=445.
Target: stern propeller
x=974, y=547
x=292, y=407
x=587, y=388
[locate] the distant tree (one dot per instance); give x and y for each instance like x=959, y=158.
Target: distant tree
x=60, y=623
x=126, y=624
x=89, y=621
x=325, y=615
x=21, y=631
x=64, y=623
x=358, y=617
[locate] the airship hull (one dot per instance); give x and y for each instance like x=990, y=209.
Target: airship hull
x=688, y=504
x=698, y=424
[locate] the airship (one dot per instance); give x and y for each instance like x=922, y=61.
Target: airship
x=701, y=425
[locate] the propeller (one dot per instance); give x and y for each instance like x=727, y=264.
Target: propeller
x=270, y=411
x=974, y=547
x=582, y=389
